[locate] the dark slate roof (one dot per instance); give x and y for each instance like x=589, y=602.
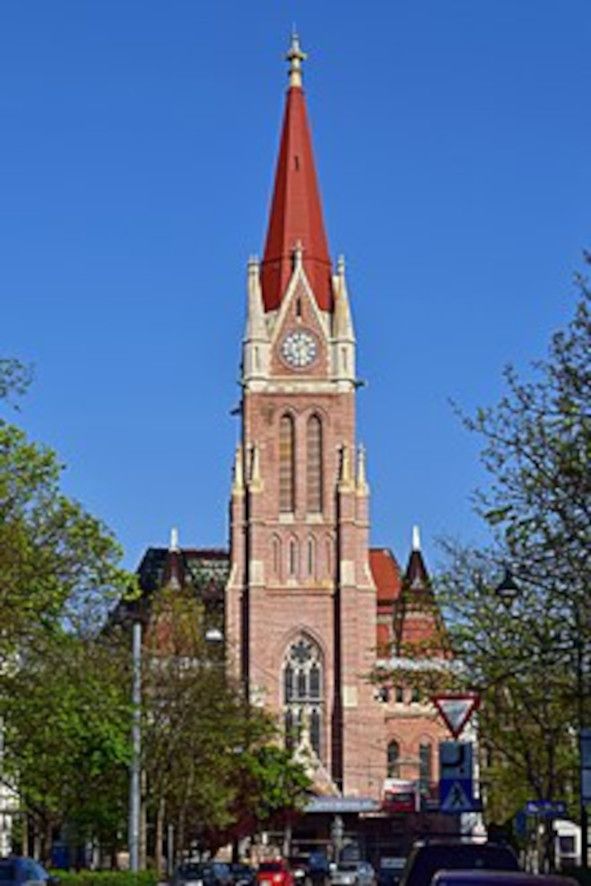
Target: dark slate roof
x=207, y=569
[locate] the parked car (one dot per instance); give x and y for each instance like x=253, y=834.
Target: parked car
x=353, y=873
x=242, y=874
x=426, y=859
x=275, y=873
x=318, y=868
x=15, y=871
x=498, y=878
x=209, y=873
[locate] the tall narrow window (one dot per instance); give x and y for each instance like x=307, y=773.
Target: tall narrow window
x=315, y=730
x=292, y=558
x=328, y=555
x=425, y=767
x=311, y=557
x=394, y=760
x=276, y=557
x=314, y=681
x=286, y=465
x=288, y=682
x=314, y=465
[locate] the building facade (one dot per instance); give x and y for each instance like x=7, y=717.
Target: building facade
x=309, y=607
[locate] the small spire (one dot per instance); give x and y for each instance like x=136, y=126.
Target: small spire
x=295, y=57
x=341, y=265
x=416, y=539
x=173, y=565
x=345, y=472
x=255, y=323
x=238, y=484
x=255, y=470
x=362, y=487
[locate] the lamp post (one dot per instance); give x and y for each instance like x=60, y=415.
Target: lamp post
x=136, y=748
x=507, y=591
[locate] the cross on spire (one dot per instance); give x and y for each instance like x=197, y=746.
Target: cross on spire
x=295, y=57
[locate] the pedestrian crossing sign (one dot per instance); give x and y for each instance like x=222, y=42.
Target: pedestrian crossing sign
x=455, y=795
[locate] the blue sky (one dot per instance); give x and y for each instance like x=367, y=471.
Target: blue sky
x=139, y=140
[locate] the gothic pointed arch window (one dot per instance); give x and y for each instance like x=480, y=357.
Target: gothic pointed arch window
x=292, y=558
x=311, y=556
x=314, y=465
x=303, y=696
x=393, y=759
x=276, y=552
x=425, y=766
x=286, y=464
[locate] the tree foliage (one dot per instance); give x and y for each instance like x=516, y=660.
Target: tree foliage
x=15, y=378
x=213, y=767
x=66, y=713
x=63, y=696
x=531, y=662
x=58, y=563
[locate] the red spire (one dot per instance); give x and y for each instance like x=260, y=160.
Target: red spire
x=296, y=210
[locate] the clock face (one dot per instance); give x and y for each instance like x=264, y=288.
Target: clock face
x=299, y=349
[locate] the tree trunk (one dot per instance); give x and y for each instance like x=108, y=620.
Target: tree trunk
x=159, y=838
x=25, y=835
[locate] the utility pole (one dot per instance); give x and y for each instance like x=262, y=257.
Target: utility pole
x=136, y=744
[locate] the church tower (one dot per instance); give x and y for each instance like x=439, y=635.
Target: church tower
x=301, y=600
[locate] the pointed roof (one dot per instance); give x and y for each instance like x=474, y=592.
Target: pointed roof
x=296, y=209
x=416, y=575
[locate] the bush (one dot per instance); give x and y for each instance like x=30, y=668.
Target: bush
x=106, y=878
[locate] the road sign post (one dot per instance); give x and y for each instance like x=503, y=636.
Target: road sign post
x=456, y=785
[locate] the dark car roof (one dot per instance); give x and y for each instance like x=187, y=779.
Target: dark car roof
x=499, y=878
x=426, y=859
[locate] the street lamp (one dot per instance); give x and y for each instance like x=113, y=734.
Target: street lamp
x=508, y=589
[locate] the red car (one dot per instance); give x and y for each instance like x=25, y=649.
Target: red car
x=274, y=873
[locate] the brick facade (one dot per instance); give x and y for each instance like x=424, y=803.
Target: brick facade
x=296, y=573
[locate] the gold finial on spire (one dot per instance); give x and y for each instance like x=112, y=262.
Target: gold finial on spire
x=295, y=57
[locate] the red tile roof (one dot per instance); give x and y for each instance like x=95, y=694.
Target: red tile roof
x=386, y=574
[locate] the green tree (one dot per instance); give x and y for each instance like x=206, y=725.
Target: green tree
x=531, y=662
x=212, y=765
x=65, y=708
x=63, y=696
x=58, y=563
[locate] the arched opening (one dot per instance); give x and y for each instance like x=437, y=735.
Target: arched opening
x=292, y=558
x=276, y=552
x=328, y=555
x=303, y=697
x=393, y=759
x=311, y=557
x=425, y=766
x=286, y=464
x=314, y=465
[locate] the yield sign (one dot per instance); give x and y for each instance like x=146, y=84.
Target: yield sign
x=456, y=709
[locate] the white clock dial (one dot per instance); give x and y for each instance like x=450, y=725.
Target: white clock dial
x=299, y=349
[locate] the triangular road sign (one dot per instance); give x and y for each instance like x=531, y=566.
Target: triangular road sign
x=456, y=709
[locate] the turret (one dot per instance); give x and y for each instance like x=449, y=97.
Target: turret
x=343, y=347
x=256, y=344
